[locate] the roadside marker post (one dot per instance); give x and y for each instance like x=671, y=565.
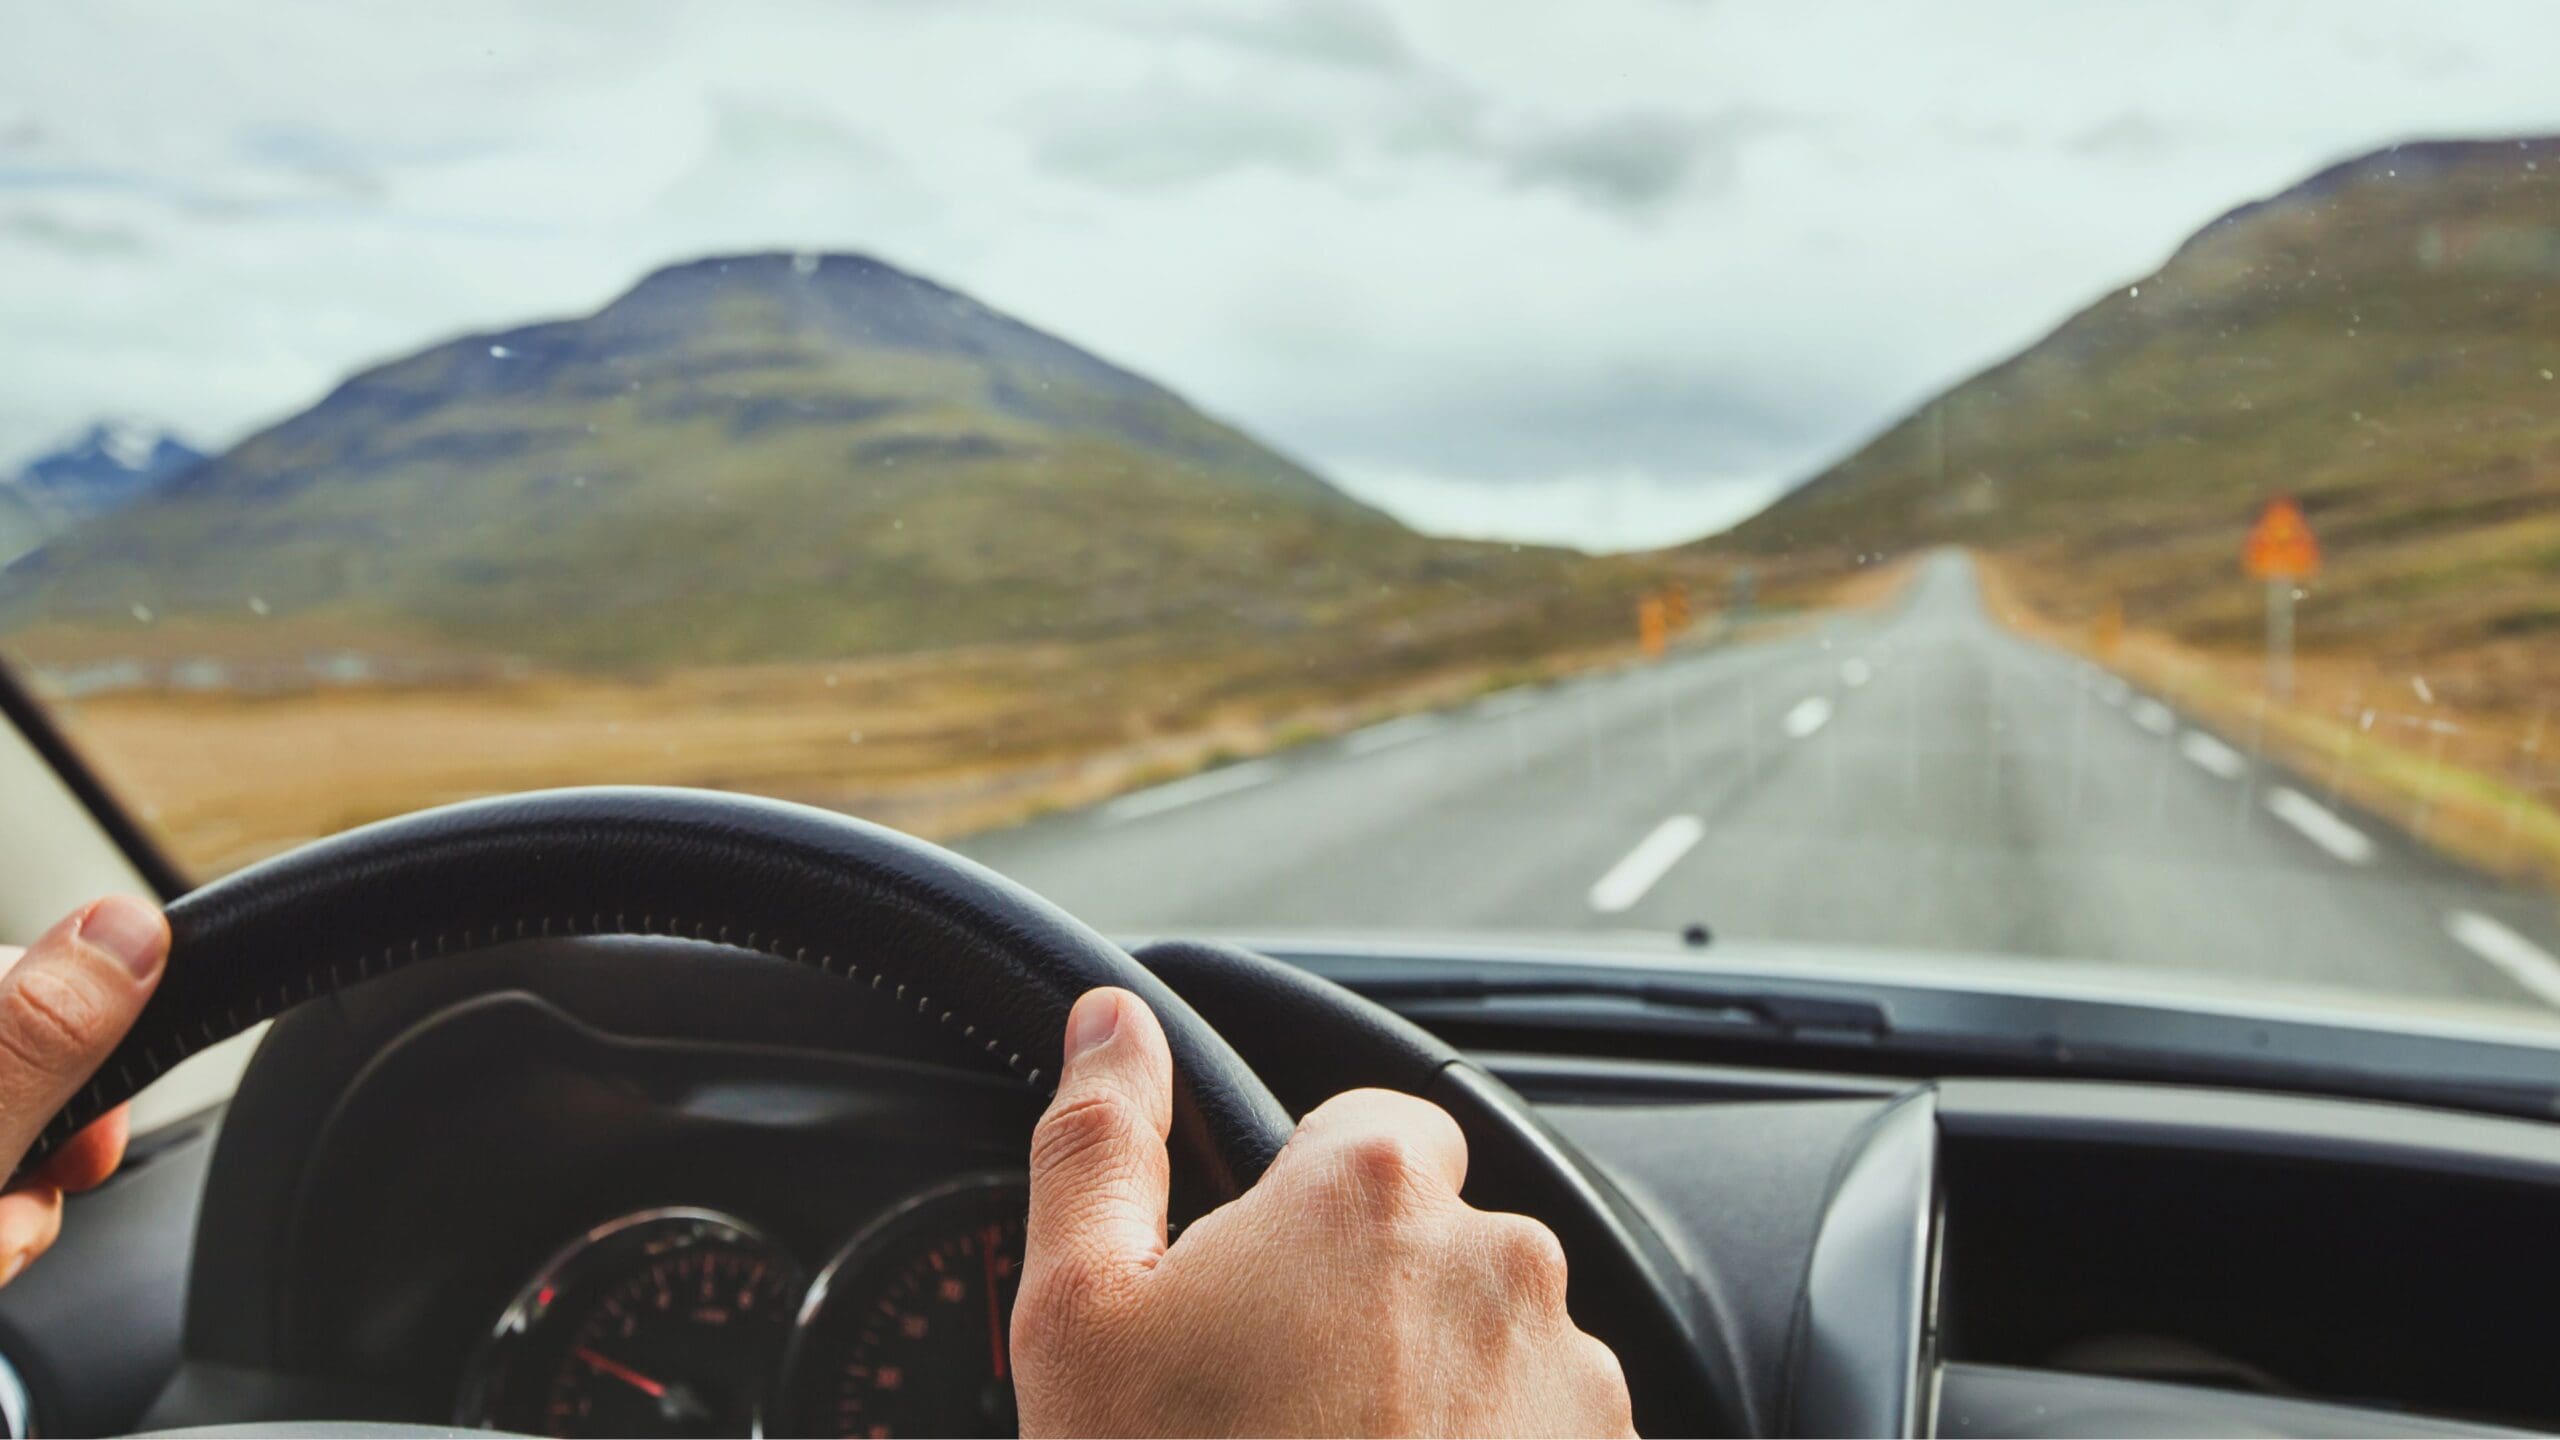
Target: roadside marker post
x=2106, y=631
x=2282, y=552
x=1675, y=607
x=1649, y=626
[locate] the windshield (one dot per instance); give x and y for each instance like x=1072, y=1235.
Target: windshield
x=1921, y=482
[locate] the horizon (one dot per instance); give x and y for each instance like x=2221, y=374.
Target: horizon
x=1713, y=272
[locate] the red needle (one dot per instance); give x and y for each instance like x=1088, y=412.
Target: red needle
x=623, y=1373
x=995, y=1313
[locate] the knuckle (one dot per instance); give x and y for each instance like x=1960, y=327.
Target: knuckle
x=1080, y=1125
x=1063, y=1307
x=1068, y=1282
x=1382, y=1166
x=1527, y=1254
x=1605, y=1380
x=1043, y=1310
x=1527, y=1249
x=49, y=1021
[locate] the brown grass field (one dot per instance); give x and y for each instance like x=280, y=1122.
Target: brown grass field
x=937, y=745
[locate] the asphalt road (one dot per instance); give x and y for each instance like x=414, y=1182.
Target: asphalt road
x=1915, y=780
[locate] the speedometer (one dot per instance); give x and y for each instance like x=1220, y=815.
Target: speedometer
x=906, y=1331
x=667, y=1322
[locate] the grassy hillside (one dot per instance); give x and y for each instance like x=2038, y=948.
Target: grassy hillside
x=756, y=458
x=2379, y=341
x=808, y=527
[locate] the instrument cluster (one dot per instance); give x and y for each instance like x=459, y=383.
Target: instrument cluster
x=686, y=1321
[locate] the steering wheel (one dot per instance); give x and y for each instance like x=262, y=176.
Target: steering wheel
x=934, y=936
x=945, y=940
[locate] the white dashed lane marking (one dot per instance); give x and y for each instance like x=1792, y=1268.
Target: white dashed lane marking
x=1653, y=857
x=2211, y=754
x=1855, y=672
x=1393, y=732
x=1207, y=784
x=1811, y=714
x=2155, y=717
x=2319, y=826
x=2524, y=962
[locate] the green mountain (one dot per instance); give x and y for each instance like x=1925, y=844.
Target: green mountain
x=746, y=458
x=2379, y=341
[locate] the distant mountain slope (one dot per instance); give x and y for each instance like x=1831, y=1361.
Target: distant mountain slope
x=2380, y=341
x=762, y=456
x=22, y=526
x=106, y=467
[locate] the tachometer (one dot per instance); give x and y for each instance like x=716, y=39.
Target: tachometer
x=905, y=1331
x=667, y=1322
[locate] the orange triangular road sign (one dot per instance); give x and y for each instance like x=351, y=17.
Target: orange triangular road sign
x=2280, y=545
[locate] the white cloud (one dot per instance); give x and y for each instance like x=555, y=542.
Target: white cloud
x=1503, y=256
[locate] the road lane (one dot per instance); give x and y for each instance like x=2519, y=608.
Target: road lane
x=1914, y=780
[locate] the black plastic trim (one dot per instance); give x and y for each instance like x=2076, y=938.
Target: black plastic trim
x=2249, y=1123
x=158, y=871
x=1866, y=1287
x=1988, y=1400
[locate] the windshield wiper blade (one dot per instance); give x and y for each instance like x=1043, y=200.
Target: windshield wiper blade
x=1791, y=1014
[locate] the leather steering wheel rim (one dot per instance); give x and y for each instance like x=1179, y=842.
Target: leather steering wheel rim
x=946, y=940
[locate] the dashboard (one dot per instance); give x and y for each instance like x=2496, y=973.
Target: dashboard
x=679, y=1320
x=581, y=1187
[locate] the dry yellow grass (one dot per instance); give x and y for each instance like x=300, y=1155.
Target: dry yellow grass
x=2475, y=781
x=937, y=745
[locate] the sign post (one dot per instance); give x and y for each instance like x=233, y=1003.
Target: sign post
x=2281, y=552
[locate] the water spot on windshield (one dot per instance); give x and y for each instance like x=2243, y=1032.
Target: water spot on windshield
x=142, y=612
x=257, y=606
x=500, y=352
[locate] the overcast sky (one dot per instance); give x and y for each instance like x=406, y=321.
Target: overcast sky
x=1609, y=272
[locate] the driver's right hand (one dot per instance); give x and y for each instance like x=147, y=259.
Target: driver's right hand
x=1350, y=1292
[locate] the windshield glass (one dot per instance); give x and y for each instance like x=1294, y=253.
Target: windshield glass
x=1919, y=482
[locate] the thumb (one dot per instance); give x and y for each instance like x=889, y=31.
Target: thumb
x=65, y=1004
x=1098, y=1166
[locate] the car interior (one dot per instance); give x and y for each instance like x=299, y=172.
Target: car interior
x=1907, y=653
x=498, y=1100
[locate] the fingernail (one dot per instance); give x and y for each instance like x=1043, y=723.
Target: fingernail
x=1094, y=1021
x=129, y=930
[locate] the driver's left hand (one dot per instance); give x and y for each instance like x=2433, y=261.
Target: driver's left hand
x=64, y=1003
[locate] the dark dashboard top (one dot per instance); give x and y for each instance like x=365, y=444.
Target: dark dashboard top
x=1860, y=1251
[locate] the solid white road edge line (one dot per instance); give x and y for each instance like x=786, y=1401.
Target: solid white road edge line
x=1224, y=780
x=1391, y=732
